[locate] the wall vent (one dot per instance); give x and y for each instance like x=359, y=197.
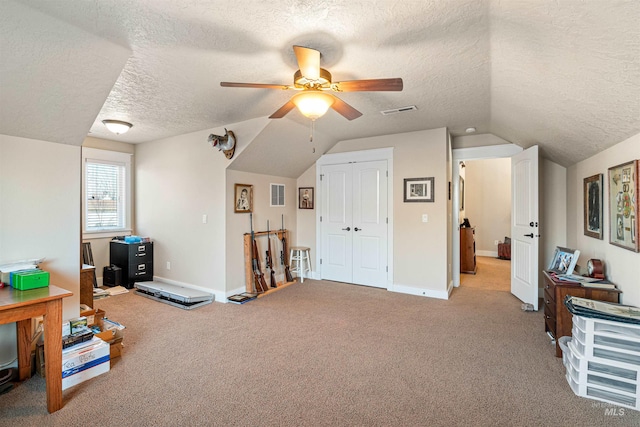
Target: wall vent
x=399, y=110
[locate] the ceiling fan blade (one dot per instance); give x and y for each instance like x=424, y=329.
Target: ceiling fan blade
x=308, y=62
x=369, y=85
x=254, y=85
x=282, y=111
x=345, y=109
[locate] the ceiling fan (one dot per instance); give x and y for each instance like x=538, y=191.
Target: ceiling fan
x=313, y=82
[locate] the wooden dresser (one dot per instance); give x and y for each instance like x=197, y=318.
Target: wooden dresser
x=467, y=250
x=557, y=319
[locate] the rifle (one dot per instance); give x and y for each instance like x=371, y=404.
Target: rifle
x=283, y=254
x=269, y=260
x=261, y=285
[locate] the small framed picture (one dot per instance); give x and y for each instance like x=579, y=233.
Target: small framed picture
x=564, y=260
x=305, y=198
x=243, y=198
x=593, y=206
x=418, y=189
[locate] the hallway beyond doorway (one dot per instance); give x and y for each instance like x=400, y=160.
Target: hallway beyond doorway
x=493, y=274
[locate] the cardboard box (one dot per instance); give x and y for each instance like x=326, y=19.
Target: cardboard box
x=114, y=338
x=94, y=316
x=79, y=365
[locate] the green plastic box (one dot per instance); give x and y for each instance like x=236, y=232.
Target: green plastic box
x=25, y=280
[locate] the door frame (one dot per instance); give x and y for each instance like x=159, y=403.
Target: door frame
x=458, y=155
x=356, y=157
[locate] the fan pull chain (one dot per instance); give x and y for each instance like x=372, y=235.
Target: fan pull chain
x=313, y=149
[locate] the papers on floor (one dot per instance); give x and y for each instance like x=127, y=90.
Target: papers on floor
x=107, y=292
x=117, y=290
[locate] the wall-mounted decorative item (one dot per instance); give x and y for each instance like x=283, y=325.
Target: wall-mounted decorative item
x=226, y=143
x=624, y=205
x=243, y=198
x=418, y=189
x=461, y=193
x=305, y=198
x=593, y=194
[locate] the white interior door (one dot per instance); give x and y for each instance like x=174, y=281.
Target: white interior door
x=370, y=223
x=337, y=230
x=524, y=226
x=354, y=223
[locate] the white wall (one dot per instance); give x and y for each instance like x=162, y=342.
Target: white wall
x=420, y=249
x=553, y=210
x=622, y=266
x=238, y=224
x=306, y=218
x=40, y=215
x=178, y=180
x=488, y=202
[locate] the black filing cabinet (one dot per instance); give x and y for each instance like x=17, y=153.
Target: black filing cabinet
x=135, y=260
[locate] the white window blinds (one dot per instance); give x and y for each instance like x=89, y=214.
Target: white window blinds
x=106, y=191
x=277, y=195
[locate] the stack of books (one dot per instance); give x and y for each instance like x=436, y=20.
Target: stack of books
x=242, y=298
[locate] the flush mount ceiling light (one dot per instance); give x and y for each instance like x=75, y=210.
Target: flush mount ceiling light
x=117, y=126
x=313, y=104
x=470, y=130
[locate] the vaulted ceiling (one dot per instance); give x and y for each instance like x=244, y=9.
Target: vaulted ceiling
x=563, y=75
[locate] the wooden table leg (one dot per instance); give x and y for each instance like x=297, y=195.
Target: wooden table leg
x=53, y=354
x=24, y=348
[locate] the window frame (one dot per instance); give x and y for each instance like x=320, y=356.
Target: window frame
x=283, y=188
x=108, y=157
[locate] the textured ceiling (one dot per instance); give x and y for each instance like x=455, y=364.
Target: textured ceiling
x=563, y=75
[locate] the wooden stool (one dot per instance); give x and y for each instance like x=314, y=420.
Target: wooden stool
x=302, y=257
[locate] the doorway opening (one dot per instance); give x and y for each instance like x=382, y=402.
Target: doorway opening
x=485, y=211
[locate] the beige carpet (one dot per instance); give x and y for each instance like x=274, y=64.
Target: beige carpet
x=324, y=354
x=492, y=274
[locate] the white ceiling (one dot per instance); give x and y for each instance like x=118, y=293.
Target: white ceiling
x=563, y=75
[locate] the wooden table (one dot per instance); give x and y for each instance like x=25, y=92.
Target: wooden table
x=21, y=307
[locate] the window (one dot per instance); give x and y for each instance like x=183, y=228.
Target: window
x=277, y=195
x=106, y=184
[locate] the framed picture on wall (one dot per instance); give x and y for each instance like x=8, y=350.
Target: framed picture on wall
x=243, y=198
x=418, y=189
x=593, y=192
x=623, y=205
x=305, y=198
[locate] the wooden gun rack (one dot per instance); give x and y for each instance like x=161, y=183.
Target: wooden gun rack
x=248, y=265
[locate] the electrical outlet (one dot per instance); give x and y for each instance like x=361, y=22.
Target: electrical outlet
x=425, y=218
x=495, y=242
x=168, y=265
x=204, y=218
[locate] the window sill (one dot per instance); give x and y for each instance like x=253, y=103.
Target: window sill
x=106, y=234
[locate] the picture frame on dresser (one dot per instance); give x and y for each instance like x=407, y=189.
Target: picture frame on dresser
x=624, y=205
x=593, y=192
x=564, y=260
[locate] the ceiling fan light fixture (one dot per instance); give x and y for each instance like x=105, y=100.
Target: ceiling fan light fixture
x=117, y=126
x=313, y=104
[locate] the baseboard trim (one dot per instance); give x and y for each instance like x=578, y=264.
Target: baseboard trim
x=492, y=254
x=411, y=290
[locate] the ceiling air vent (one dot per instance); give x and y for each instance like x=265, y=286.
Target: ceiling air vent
x=399, y=110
